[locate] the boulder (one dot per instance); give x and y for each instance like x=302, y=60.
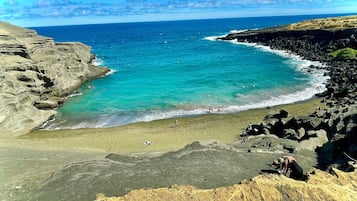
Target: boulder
x=300, y=133
x=290, y=122
x=351, y=128
x=318, y=140
x=311, y=122
x=289, y=134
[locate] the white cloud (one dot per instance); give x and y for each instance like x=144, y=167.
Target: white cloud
x=11, y=2
x=38, y=9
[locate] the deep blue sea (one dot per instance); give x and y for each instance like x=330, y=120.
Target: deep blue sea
x=175, y=68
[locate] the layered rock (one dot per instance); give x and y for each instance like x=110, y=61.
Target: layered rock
x=320, y=186
x=36, y=76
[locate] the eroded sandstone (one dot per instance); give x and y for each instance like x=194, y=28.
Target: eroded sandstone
x=36, y=75
x=321, y=185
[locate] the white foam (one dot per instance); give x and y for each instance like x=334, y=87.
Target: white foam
x=110, y=72
x=98, y=61
x=258, y=100
x=75, y=94
x=316, y=85
x=237, y=31
x=214, y=38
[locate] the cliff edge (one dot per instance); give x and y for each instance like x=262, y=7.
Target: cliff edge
x=36, y=76
x=329, y=131
x=321, y=185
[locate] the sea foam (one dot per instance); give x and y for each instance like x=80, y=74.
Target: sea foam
x=192, y=76
x=98, y=61
x=317, y=83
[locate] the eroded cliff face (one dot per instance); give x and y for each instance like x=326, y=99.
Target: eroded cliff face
x=36, y=75
x=320, y=186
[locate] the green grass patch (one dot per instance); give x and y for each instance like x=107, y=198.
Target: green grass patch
x=344, y=54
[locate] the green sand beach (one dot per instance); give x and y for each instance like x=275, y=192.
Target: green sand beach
x=204, y=151
x=163, y=134
x=27, y=161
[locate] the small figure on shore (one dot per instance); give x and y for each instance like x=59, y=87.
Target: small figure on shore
x=289, y=163
x=176, y=123
x=210, y=109
x=251, y=130
x=250, y=127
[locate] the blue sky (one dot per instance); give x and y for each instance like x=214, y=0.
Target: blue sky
x=64, y=12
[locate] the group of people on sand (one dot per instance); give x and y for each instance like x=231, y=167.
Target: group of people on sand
x=212, y=110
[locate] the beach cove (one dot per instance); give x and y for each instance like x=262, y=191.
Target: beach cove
x=29, y=160
x=52, y=159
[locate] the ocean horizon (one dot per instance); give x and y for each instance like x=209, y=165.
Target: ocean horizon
x=170, y=69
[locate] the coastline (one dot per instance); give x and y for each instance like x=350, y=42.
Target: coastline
x=41, y=157
x=222, y=127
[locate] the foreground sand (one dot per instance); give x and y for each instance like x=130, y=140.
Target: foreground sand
x=28, y=160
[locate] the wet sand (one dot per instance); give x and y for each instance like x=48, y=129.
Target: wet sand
x=164, y=135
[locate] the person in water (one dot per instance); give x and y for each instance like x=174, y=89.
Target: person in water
x=289, y=163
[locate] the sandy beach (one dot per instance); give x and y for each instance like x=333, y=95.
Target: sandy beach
x=163, y=134
x=27, y=161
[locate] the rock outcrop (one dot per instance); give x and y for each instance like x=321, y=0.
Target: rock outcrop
x=36, y=76
x=320, y=186
x=329, y=131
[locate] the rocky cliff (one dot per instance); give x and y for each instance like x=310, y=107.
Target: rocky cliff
x=36, y=76
x=318, y=40
x=330, y=131
x=320, y=186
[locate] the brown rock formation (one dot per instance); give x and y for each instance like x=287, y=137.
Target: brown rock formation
x=326, y=23
x=320, y=186
x=36, y=75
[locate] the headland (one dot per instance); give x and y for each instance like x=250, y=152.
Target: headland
x=37, y=75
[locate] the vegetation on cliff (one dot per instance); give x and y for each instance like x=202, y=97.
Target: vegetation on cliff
x=344, y=54
x=332, y=23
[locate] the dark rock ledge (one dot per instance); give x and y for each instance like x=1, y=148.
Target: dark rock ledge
x=332, y=132
x=36, y=76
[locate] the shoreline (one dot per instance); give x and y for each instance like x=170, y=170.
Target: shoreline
x=39, y=154
x=161, y=132
x=316, y=85
x=41, y=158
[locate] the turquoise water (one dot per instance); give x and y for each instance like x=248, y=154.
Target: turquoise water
x=168, y=69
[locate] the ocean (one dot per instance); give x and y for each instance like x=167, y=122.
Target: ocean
x=176, y=68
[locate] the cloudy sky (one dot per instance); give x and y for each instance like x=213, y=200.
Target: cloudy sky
x=63, y=12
